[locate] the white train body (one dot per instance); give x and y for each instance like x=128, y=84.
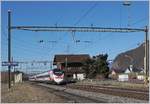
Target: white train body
x=51, y=76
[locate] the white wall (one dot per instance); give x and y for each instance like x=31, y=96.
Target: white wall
x=18, y=78
x=140, y=77
x=123, y=77
x=79, y=76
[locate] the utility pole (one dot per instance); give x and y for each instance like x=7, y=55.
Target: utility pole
x=146, y=55
x=67, y=49
x=66, y=63
x=9, y=48
x=51, y=64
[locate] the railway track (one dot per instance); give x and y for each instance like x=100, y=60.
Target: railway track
x=70, y=97
x=123, y=92
x=80, y=94
x=74, y=98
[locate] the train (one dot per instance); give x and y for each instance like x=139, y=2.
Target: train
x=54, y=76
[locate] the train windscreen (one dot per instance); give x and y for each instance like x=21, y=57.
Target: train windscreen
x=58, y=72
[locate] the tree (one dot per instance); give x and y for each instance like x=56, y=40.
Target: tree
x=88, y=67
x=102, y=65
x=97, y=65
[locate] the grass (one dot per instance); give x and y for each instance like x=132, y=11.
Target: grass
x=112, y=83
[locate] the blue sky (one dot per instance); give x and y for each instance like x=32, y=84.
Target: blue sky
x=25, y=45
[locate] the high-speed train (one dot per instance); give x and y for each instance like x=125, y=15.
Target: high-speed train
x=52, y=76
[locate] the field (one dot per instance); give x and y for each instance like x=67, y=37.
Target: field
x=27, y=93
x=114, y=83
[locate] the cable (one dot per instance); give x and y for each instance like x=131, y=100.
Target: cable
x=79, y=20
x=83, y=16
x=22, y=44
x=4, y=33
x=23, y=49
x=140, y=20
x=120, y=16
x=126, y=48
x=86, y=13
x=18, y=43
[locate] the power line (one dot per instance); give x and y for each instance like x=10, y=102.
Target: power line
x=27, y=50
x=83, y=16
x=78, y=29
x=21, y=45
x=120, y=15
x=25, y=46
x=79, y=20
x=131, y=46
x=3, y=30
x=86, y=13
x=138, y=21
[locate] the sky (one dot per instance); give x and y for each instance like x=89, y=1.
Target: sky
x=26, y=46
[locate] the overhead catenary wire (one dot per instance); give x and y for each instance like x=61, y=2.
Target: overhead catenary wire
x=28, y=51
x=83, y=16
x=139, y=21
x=127, y=4
x=131, y=46
x=84, y=29
x=86, y=13
x=4, y=33
x=26, y=46
x=80, y=19
x=22, y=43
x=120, y=17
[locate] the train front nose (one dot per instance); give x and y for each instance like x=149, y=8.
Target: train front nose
x=58, y=76
x=59, y=80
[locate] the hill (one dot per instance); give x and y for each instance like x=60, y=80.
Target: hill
x=133, y=57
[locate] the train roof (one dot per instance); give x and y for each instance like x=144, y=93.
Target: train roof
x=44, y=72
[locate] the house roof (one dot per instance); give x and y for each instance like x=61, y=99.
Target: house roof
x=61, y=58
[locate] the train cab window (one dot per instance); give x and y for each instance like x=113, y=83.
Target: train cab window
x=58, y=72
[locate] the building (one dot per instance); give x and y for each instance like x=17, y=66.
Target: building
x=15, y=77
x=114, y=73
x=18, y=77
x=4, y=76
x=123, y=77
x=71, y=64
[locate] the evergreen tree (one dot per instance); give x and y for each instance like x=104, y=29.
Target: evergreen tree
x=97, y=65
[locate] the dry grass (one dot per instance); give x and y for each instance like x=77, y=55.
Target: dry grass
x=113, y=83
x=26, y=93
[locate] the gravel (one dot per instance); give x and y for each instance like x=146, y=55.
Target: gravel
x=97, y=96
